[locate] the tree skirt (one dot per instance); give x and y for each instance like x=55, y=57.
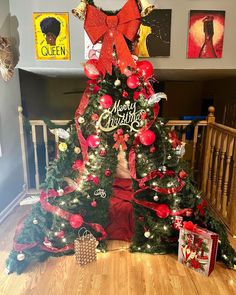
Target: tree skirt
x=121, y=221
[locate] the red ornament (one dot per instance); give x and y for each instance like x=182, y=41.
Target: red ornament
x=60, y=234
x=106, y=101
x=91, y=70
x=147, y=137
x=95, y=117
x=182, y=174
x=125, y=94
x=77, y=165
x=163, y=211
x=108, y=172
x=93, y=203
x=102, y=153
x=93, y=141
x=152, y=149
x=145, y=69
x=76, y=220
x=143, y=116
x=133, y=81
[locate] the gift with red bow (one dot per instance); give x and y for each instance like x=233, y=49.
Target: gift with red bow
x=197, y=248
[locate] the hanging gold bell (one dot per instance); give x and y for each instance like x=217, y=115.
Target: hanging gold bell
x=146, y=7
x=80, y=10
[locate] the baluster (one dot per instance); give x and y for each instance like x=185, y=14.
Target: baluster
x=209, y=164
x=195, y=136
x=221, y=170
x=34, y=139
x=45, y=138
x=23, y=146
x=56, y=144
x=183, y=139
x=216, y=166
x=229, y=154
x=232, y=196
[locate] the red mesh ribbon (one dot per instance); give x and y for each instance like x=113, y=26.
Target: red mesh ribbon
x=79, y=112
x=152, y=175
x=64, y=214
x=158, y=207
x=113, y=30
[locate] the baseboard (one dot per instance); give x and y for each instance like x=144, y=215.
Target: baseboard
x=11, y=206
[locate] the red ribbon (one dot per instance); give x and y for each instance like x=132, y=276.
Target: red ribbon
x=201, y=207
x=113, y=30
x=174, y=139
x=64, y=214
x=157, y=207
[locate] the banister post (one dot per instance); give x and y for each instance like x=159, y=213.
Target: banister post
x=211, y=115
x=23, y=146
x=210, y=119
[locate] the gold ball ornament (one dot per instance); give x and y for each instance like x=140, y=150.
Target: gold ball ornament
x=35, y=221
x=147, y=234
x=77, y=150
x=81, y=120
x=20, y=256
x=62, y=146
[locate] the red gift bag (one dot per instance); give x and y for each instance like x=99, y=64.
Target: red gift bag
x=198, y=248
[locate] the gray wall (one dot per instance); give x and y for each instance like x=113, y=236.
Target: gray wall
x=22, y=11
x=11, y=179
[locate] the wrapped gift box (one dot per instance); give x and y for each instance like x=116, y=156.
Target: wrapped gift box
x=198, y=249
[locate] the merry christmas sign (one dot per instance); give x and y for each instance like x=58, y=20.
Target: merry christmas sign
x=51, y=36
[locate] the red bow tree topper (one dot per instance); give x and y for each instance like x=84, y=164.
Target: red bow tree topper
x=113, y=30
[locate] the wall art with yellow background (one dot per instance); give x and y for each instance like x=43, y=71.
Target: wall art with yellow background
x=52, y=40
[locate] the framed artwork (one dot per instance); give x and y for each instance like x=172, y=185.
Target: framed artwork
x=206, y=34
x=51, y=32
x=155, y=34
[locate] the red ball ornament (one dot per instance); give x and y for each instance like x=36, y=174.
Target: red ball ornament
x=182, y=174
x=102, y=153
x=93, y=203
x=91, y=70
x=125, y=94
x=95, y=117
x=133, y=81
x=145, y=69
x=76, y=220
x=108, y=172
x=106, y=101
x=60, y=234
x=163, y=211
x=147, y=137
x=93, y=141
x=152, y=149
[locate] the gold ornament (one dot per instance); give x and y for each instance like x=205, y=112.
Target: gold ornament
x=62, y=146
x=77, y=150
x=80, y=10
x=146, y=7
x=20, y=256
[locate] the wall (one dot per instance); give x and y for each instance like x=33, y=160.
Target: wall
x=177, y=60
x=184, y=98
x=11, y=174
x=54, y=98
x=223, y=91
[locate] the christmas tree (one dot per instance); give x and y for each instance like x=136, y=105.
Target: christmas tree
x=117, y=113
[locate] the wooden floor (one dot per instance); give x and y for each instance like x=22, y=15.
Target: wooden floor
x=115, y=272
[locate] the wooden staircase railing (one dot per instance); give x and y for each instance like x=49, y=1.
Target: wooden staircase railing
x=211, y=153
x=219, y=172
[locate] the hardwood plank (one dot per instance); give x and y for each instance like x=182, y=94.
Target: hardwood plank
x=117, y=272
